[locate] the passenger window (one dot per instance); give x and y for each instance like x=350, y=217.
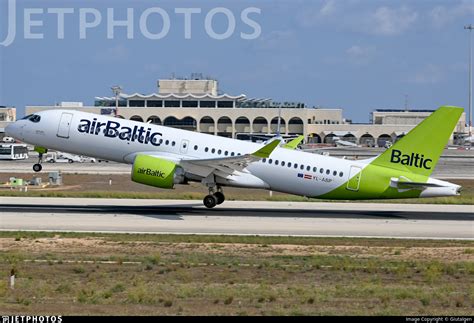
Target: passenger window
x=308, y=168
x=341, y=174
x=314, y=169
x=173, y=143
x=219, y=152
x=296, y=166
x=167, y=142
x=232, y=154
x=328, y=172
x=282, y=163
x=276, y=162
x=206, y=149
x=270, y=161
x=334, y=173
x=264, y=160
x=321, y=170
x=226, y=153
x=195, y=147
x=289, y=164
x=213, y=150
x=302, y=167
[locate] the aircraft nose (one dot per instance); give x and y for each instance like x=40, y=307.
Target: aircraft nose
x=13, y=130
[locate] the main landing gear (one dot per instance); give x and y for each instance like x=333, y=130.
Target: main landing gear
x=214, y=198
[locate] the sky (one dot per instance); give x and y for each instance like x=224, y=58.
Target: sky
x=358, y=55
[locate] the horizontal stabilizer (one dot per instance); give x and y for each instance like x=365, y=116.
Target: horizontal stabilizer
x=406, y=184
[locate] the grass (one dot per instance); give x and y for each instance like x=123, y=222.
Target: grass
x=218, y=240
x=230, y=275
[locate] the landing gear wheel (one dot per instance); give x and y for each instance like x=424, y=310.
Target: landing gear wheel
x=220, y=197
x=37, y=167
x=210, y=201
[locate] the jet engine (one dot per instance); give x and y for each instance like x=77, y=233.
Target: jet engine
x=157, y=172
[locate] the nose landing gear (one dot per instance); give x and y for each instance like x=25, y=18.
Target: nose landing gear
x=41, y=151
x=38, y=167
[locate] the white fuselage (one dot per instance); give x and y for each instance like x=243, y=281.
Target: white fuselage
x=314, y=174
x=286, y=170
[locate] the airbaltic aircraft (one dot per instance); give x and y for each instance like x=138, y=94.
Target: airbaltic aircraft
x=163, y=156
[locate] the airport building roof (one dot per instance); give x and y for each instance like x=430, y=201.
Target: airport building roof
x=185, y=96
x=403, y=110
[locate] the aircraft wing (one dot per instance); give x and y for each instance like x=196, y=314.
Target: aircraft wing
x=227, y=165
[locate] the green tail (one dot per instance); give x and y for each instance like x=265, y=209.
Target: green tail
x=419, y=151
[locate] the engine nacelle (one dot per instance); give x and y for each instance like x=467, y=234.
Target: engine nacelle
x=156, y=172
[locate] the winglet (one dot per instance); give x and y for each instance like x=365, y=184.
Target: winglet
x=266, y=150
x=293, y=144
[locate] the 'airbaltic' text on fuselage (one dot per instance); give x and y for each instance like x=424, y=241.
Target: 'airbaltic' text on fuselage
x=113, y=129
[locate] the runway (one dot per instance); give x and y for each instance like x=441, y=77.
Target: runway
x=239, y=218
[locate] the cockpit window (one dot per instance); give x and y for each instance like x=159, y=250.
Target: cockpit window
x=26, y=117
x=35, y=118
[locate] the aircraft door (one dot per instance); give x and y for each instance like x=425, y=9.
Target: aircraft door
x=184, y=146
x=64, y=125
x=354, y=178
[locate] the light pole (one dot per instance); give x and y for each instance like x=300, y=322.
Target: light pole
x=470, y=27
x=117, y=89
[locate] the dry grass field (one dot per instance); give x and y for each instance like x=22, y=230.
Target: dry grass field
x=119, y=274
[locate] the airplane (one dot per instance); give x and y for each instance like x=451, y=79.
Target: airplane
x=469, y=140
x=344, y=143
x=163, y=157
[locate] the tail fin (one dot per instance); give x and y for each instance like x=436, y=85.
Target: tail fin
x=419, y=150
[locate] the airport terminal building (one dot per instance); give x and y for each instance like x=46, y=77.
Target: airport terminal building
x=196, y=104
